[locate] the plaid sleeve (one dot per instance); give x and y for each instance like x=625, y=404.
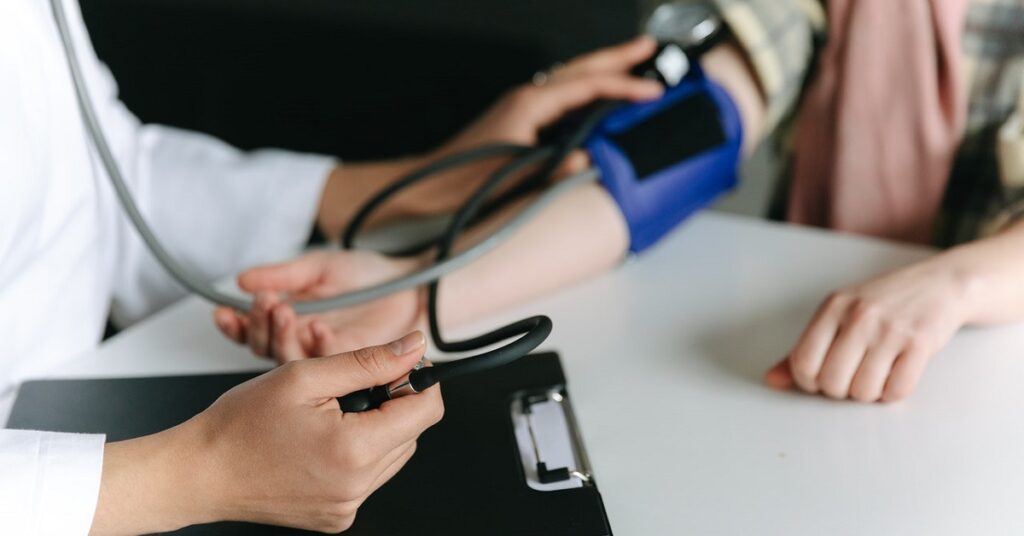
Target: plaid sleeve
x=994, y=135
x=1010, y=147
x=778, y=38
x=1010, y=159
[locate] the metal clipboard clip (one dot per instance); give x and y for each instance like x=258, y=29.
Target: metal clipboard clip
x=550, y=446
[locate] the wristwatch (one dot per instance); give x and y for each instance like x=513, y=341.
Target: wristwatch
x=684, y=30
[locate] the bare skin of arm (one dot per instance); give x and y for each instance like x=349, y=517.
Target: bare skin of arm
x=579, y=236
x=868, y=342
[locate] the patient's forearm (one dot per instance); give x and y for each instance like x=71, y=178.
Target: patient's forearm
x=578, y=236
x=727, y=65
x=993, y=272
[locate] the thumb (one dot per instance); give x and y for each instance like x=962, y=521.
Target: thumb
x=779, y=376
x=341, y=374
x=291, y=276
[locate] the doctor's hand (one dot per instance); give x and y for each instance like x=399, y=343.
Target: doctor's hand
x=521, y=114
x=871, y=342
x=276, y=449
x=272, y=329
x=517, y=117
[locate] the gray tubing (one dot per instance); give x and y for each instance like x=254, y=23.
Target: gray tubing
x=204, y=289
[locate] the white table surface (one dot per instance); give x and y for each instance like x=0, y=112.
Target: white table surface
x=664, y=358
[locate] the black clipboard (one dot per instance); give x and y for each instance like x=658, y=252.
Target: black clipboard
x=468, y=476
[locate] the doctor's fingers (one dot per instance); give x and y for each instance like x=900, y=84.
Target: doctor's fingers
x=546, y=104
x=358, y=487
x=384, y=471
x=391, y=464
x=614, y=59
x=397, y=421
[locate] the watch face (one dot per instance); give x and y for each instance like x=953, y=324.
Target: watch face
x=688, y=24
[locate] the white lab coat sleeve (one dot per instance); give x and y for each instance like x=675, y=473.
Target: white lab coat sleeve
x=217, y=209
x=50, y=482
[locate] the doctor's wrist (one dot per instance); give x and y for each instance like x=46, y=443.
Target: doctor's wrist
x=154, y=484
x=349, y=186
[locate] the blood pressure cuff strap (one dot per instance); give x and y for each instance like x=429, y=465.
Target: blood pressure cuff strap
x=663, y=160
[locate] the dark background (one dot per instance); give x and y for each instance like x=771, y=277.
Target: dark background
x=359, y=79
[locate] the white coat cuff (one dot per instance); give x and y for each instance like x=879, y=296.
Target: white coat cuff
x=51, y=481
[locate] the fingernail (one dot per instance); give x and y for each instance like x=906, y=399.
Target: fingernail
x=407, y=344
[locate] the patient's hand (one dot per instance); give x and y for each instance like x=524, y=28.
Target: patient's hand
x=872, y=341
x=273, y=329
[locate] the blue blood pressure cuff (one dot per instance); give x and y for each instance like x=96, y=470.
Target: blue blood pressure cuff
x=665, y=159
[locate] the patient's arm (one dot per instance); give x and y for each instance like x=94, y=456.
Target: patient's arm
x=578, y=236
x=872, y=341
